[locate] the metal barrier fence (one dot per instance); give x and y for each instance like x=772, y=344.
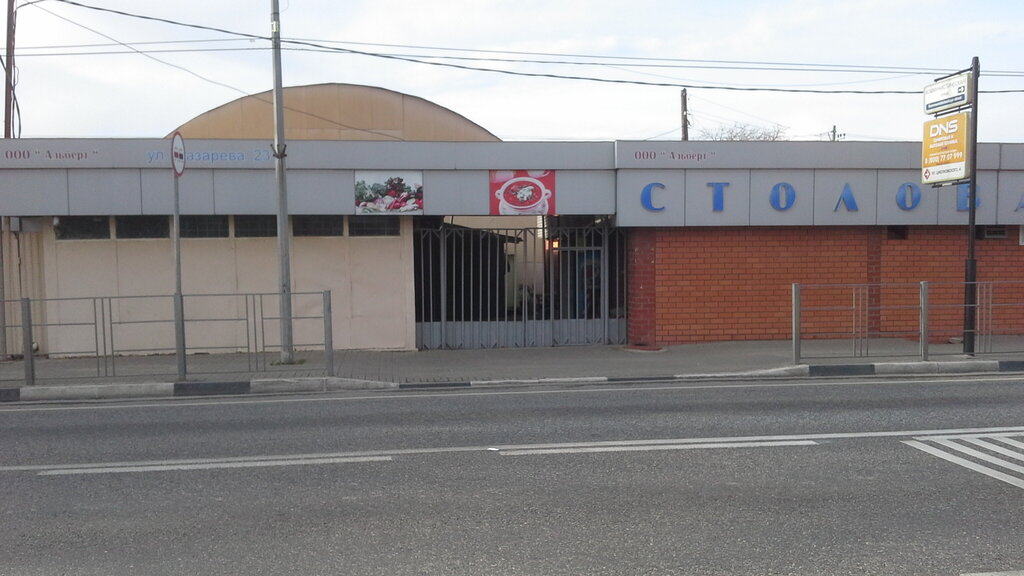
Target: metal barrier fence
x=176, y=334
x=519, y=287
x=917, y=320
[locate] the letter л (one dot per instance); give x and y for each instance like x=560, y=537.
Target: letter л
x=847, y=198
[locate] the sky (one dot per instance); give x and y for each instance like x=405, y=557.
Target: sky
x=85, y=73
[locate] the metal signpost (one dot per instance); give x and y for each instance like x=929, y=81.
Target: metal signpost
x=949, y=156
x=178, y=164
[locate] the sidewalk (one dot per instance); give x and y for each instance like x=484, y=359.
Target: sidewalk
x=154, y=376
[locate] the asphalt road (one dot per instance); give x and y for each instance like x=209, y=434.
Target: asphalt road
x=907, y=477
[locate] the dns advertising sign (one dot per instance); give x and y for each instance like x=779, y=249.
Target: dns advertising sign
x=944, y=149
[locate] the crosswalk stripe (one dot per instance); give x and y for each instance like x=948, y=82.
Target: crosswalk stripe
x=986, y=456
x=1013, y=443
x=981, y=456
x=995, y=448
x=969, y=464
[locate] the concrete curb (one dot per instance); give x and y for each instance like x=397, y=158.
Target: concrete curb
x=115, y=391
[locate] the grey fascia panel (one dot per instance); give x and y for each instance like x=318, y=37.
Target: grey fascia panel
x=456, y=193
x=112, y=191
x=1011, y=156
x=244, y=192
x=34, y=193
x=585, y=192
x=195, y=191
x=452, y=155
x=535, y=156
x=321, y=192
x=772, y=155
x=1011, y=197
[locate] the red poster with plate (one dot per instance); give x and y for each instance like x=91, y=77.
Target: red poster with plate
x=518, y=192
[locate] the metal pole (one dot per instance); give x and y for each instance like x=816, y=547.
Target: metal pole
x=328, y=335
x=179, y=335
x=686, y=117
x=796, y=323
x=3, y=290
x=971, y=265
x=283, y=229
x=923, y=322
x=26, y=341
x=9, y=73
x=8, y=133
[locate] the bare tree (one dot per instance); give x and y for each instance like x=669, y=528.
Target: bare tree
x=744, y=132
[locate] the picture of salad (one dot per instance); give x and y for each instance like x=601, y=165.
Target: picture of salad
x=389, y=193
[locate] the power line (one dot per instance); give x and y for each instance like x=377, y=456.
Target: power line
x=419, y=60
x=218, y=83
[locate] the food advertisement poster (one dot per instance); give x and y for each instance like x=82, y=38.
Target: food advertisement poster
x=395, y=192
x=515, y=192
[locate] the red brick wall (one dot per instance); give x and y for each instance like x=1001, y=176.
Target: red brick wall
x=713, y=284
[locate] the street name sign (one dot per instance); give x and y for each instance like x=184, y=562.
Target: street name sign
x=948, y=93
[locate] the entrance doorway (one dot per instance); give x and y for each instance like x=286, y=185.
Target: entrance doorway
x=550, y=285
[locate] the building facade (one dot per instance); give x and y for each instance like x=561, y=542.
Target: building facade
x=650, y=243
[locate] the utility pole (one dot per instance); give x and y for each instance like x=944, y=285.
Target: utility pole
x=971, y=263
x=834, y=136
x=686, y=118
x=9, y=73
x=283, y=229
x=8, y=133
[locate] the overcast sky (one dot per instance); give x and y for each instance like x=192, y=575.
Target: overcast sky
x=865, y=45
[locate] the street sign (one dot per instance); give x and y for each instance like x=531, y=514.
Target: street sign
x=948, y=93
x=178, y=154
x=944, y=149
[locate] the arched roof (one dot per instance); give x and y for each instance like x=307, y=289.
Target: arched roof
x=337, y=112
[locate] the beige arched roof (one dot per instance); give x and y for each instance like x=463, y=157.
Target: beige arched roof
x=337, y=112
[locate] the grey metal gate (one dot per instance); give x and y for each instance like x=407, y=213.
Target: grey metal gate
x=519, y=287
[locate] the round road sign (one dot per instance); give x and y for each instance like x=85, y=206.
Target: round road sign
x=178, y=154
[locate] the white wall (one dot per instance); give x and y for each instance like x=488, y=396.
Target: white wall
x=370, y=279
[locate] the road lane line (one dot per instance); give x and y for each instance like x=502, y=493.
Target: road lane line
x=208, y=466
x=970, y=465
x=920, y=434
x=590, y=449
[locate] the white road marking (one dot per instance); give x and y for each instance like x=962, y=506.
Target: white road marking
x=1009, y=442
x=955, y=449
x=998, y=434
x=591, y=449
x=212, y=465
x=981, y=456
x=995, y=448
